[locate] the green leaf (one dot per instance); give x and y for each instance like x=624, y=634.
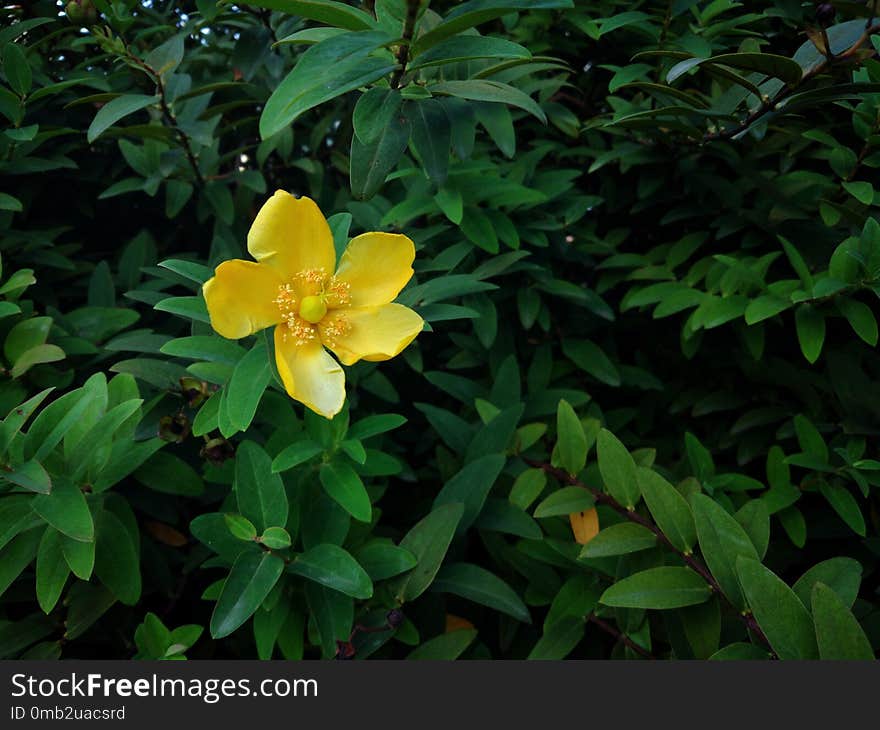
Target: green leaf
x=778, y=611
x=843, y=575
x=16, y=517
x=565, y=501
x=722, y=542
x=345, y=487
x=166, y=57
x=66, y=510
x=571, y=445
x=371, y=162
x=38, y=355
x=428, y=541
x=188, y=307
x=52, y=570
x=296, y=454
x=445, y=647
x=253, y=575
x=838, y=633
x=618, y=469
x=740, y=652
x=375, y=425
x=475, y=12
x=668, y=508
x=780, y=67
x=810, y=440
x=590, y=358
x=333, y=614
x=374, y=111
x=798, y=264
x=492, y=91
x=204, y=347
x=117, y=109
x=79, y=556
x=480, y=586
x=276, y=538
x=576, y=599
x=527, y=487
x=861, y=191
x=258, y=490
x=246, y=387
x=27, y=334
x=860, y=318
x=384, y=560
x=326, y=70
x=330, y=12
x=117, y=564
x=620, y=539
x=559, y=639
x=240, y=527
x=431, y=137
x=16, y=556
x=755, y=520
x=335, y=568
x=31, y=476
x=465, y=48
x=470, y=487
x=764, y=307
x=17, y=69
x=499, y=515
x=8, y=202
x=810, y=325
x=846, y=506
x=212, y=530
x=659, y=588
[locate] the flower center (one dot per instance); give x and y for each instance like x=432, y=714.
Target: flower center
x=312, y=309
x=305, y=302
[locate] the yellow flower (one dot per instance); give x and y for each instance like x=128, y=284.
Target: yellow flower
x=292, y=285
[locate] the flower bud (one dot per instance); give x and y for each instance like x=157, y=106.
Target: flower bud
x=394, y=618
x=825, y=14
x=174, y=428
x=194, y=390
x=217, y=451
x=81, y=11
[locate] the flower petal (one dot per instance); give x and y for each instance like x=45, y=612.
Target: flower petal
x=240, y=297
x=376, y=266
x=310, y=375
x=291, y=235
x=373, y=333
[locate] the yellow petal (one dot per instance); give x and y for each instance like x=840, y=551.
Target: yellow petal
x=370, y=333
x=291, y=235
x=240, y=297
x=584, y=525
x=309, y=374
x=376, y=266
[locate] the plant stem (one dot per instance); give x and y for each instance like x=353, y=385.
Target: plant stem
x=692, y=562
x=409, y=29
x=620, y=636
x=168, y=116
x=786, y=91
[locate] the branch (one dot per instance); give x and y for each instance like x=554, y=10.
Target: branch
x=409, y=29
x=770, y=104
x=692, y=562
x=185, y=141
x=620, y=636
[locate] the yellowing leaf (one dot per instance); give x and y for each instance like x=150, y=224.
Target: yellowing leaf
x=584, y=525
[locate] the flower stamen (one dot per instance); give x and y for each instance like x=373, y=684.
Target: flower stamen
x=333, y=328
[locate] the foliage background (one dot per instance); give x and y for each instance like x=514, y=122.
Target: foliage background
x=648, y=258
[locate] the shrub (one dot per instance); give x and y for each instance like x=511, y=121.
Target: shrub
x=640, y=420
